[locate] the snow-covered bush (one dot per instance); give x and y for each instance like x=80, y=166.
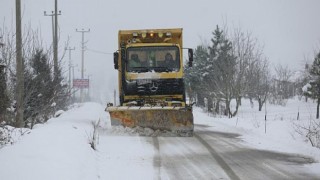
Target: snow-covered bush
x=311, y=131
x=4, y=136
x=9, y=134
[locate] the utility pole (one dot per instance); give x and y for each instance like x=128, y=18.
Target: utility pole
x=74, y=95
x=82, y=58
x=89, y=99
x=20, y=68
x=70, y=64
x=55, y=45
x=54, y=14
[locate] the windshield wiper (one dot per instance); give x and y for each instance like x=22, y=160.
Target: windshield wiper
x=162, y=69
x=150, y=69
x=138, y=69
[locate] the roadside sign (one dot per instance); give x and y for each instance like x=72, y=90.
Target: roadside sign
x=81, y=83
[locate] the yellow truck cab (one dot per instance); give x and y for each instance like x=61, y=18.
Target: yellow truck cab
x=150, y=64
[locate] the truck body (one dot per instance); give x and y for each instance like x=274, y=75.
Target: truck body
x=151, y=81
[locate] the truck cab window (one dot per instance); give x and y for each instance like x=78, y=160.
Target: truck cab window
x=158, y=59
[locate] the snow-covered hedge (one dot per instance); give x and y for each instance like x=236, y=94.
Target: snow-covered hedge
x=9, y=134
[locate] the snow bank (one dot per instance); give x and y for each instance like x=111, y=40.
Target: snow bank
x=59, y=149
x=277, y=133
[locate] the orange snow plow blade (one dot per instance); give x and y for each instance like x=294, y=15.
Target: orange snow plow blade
x=174, y=119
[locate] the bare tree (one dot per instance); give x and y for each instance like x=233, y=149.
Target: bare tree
x=258, y=82
x=251, y=67
x=283, y=73
x=281, y=86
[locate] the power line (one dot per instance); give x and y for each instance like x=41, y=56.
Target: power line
x=100, y=52
x=53, y=27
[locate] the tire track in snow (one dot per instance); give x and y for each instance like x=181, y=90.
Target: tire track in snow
x=157, y=157
x=218, y=158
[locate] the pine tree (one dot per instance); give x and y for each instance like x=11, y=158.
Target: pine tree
x=194, y=75
x=38, y=88
x=313, y=90
x=212, y=76
x=221, y=69
x=61, y=93
x=44, y=94
x=4, y=100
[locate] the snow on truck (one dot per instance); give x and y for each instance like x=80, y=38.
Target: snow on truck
x=151, y=81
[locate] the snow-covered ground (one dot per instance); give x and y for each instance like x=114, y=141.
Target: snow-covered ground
x=60, y=149
x=277, y=133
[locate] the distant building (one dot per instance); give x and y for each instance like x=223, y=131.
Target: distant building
x=289, y=88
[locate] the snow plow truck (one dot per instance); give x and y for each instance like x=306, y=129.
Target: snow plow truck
x=151, y=81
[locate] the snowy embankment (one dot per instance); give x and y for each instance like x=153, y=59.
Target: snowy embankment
x=280, y=131
x=60, y=149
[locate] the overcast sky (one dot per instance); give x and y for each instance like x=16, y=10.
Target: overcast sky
x=289, y=30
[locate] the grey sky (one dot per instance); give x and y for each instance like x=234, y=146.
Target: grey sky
x=288, y=29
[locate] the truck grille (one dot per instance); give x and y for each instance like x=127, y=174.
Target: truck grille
x=154, y=87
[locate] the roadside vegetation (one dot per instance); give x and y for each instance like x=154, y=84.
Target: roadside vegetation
x=44, y=92
x=233, y=67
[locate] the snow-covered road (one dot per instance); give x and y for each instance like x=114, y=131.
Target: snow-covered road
x=60, y=149
x=207, y=155
x=242, y=162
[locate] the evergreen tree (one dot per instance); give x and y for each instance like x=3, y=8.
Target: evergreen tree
x=212, y=76
x=221, y=70
x=61, y=92
x=313, y=90
x=38, y=88
x=4, y=100
x=194, y=75
x=44, y=94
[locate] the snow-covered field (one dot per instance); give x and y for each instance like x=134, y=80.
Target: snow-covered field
x=60, y=149
x=277, y=133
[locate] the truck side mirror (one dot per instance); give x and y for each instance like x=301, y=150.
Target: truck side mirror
x=123, y=55
x=115, y=60
x=190, y=54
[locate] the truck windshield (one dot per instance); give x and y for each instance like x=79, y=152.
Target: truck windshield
x=158, y=59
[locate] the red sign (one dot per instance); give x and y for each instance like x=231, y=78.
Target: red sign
x=81, y=83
